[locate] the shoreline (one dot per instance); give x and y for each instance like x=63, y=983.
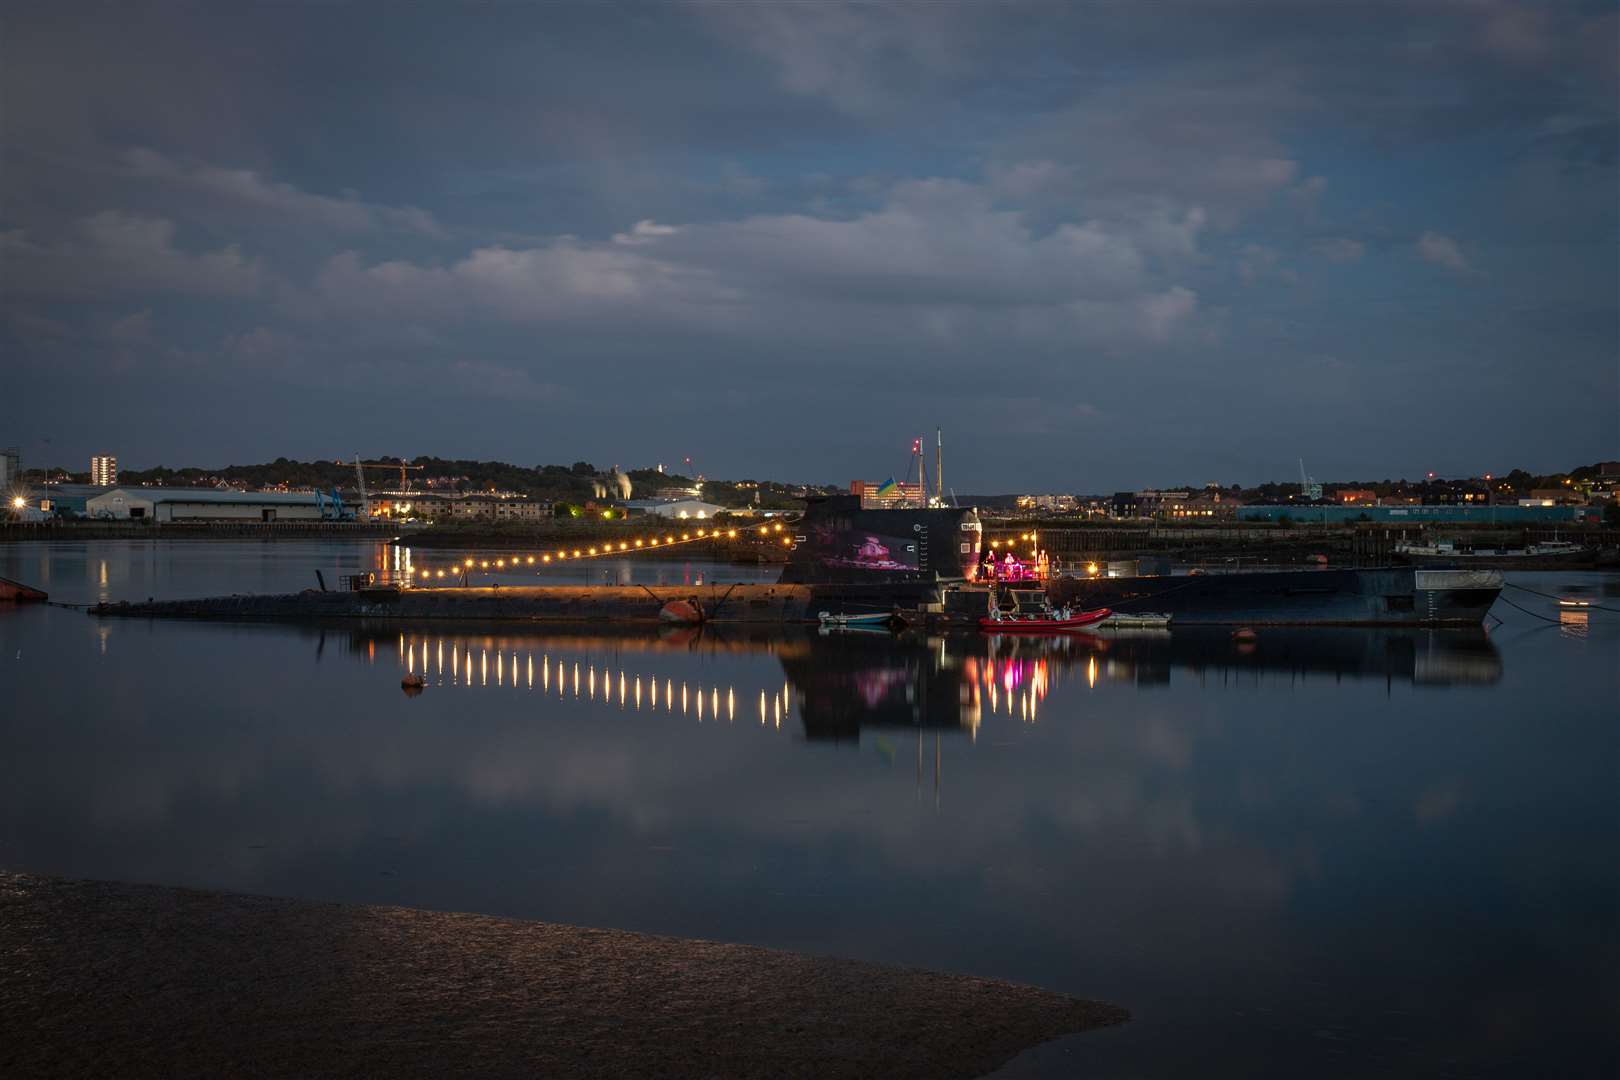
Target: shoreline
x=139, y=980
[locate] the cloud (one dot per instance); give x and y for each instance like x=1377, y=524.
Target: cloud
x=131, y=329
x=1443, y=251
x=247, y=189
x=859, y=57
x=116, y=252
x=1166, y=311
x=643, y=232
x=1341, y=249
x=938, y=258
x=1254, y=261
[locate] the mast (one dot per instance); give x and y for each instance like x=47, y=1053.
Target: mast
x=939, y=466
x=922, y=475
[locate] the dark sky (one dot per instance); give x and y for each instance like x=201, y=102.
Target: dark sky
x=1102, y=245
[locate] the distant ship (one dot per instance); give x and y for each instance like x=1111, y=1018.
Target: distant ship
x=1449, y=552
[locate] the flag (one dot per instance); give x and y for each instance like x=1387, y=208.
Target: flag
x=887, y=488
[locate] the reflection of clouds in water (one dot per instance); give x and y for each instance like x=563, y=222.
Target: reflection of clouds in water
x=1438, y=803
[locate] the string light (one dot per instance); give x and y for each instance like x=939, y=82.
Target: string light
x=606, y=549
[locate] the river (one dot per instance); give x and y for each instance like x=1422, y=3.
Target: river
x=1327, y=852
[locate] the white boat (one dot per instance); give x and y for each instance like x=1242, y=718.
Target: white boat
x=871, y=619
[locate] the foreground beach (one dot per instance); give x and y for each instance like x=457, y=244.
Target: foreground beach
x=100, y=978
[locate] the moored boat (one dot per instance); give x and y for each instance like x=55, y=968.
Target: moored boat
x=865, y=619
x=999, y=622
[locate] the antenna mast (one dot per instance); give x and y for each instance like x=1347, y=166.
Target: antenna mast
x=939, y=466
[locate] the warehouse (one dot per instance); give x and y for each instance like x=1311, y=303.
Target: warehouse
x=695, y=509
x=202, y=504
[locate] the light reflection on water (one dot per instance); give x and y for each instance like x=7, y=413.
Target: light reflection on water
x=1331, y=851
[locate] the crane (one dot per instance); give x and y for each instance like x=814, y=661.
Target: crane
x=404, y=483
x=360, y=482
x=1309, y=489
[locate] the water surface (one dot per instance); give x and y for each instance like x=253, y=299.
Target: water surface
x=1340, y=852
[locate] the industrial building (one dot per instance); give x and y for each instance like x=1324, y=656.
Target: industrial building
x=10, y=468
x=202, y=504
x=681, y=509
x=103, y=470
x=1463, y=514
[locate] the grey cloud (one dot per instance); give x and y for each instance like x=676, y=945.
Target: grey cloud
x=248, y=189
x=1443, y=251
x=939, y=248
x=114, y=252
x=1341, y=249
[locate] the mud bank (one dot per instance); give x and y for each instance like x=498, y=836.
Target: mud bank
x=99, y=978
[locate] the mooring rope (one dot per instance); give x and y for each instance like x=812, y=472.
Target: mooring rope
x=1560, y=599
x=1527, y=611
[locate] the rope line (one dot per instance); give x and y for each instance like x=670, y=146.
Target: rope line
x=1550, y=596
x=1527, y=611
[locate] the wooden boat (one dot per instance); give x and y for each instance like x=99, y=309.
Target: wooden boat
x=1042, y=623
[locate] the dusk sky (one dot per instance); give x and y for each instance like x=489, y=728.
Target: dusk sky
x=1101, y=245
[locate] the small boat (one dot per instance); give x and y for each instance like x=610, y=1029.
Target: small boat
x=413, y=682
x=865, y=619
x=1128, y=620
x=681, y=613
x=1041, y=622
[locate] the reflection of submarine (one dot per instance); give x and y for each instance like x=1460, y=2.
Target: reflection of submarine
x=847, y=682
x=1425, y=657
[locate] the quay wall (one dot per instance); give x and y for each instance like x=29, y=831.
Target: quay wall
x=195, y=530
x=762, y=604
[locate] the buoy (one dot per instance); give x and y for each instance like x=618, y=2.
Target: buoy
x=681, y=612
x=1244, y=633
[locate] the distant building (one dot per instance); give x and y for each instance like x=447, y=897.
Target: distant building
x=1207, y=507
x=1552, y=497
x=1357, y=497
x=1478, y=514
x=1054, y=503
x=10, y=468
x=899, y=495
x=681, y=509
x=1160, y=504
x=103, y=470
x=202, y=504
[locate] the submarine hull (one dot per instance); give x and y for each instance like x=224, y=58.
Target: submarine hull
x=1387, y=596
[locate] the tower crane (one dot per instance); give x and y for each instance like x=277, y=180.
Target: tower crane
x=404, y=482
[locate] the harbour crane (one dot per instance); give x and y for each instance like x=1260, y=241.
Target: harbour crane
x=404, y=482
x=1310, y=490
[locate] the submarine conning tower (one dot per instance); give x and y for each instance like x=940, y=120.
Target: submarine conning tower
x=841, y=542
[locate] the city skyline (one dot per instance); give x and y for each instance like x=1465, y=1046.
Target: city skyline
x=784, y=239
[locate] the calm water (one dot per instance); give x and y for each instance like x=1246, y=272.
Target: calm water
x=1334, y=852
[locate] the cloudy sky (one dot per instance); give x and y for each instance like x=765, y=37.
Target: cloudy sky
x=1102, y=245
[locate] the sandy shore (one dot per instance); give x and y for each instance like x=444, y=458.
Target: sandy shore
x=99, y=978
